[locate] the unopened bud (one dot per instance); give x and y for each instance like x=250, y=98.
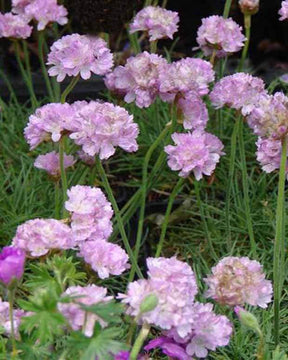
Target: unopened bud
x=249, y=7
x=149, y=303
x=247, y=319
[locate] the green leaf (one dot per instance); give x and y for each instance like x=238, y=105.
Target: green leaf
x=110, y=312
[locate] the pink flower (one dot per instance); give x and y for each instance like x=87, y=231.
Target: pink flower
x=105, y=258
x=46, y=11
x=269, y=154
x=157, y=21
x=249, y=7
x=196, y=152
x=283, y=12
x=91, y=213
x=169, y=347
x=239, y=91
x=138, y=80
x=173, y=283
x=184, y=76
x=14, y=26
x=12, y=261
x=18, y=6
x=236, y=281
x=194, y=110
x=223, y=35
x=38, y=236
x=50, y=162
x=82, y=55
x=5, y=319
x=100, y=127
x=78, y=318
x=48, y=122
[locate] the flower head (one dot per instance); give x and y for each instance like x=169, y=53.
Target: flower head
x=14, y=26
x=82, y=55
x=239, y=91
x=184, y=76
x=236, y=281
x=50, y=162
x=157, y=21
x=78, y=318
x=249, y=7
x=223, y=35
x=12, y=260
x=38, y=236
x=105, y=258
x=196, y=152
x=100, y=127
x=283, y=12
x=138, y=80
x=5, y=322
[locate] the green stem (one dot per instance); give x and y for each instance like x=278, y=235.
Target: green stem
x=246, y=189
x=144, y=194
x=57, y=200
x=203, y=219
x=153, y=46
x=139, y=341
x=118, y=217
x=213, y=57
x=279, y=246
x=11, y=301
x=172, y=197
x=227, y=8
x=230, y=180
x=69, y=88
x=41, y=39
x=63, y=174
x=247, y=24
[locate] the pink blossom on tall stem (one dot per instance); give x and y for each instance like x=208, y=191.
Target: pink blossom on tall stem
x=221, y=35
x=14, y=26
x=5, y=322
x=157, y=21
x=196, y=152
x=12, y=260
x=50, y=162
x=283, y=12
x=249, y=7
x=82, y=55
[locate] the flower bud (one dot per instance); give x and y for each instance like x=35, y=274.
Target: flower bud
x=149, y=303
x=249, y=7
x=247, y=319
x=12, y=262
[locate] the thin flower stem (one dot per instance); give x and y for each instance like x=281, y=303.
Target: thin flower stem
x=153, y=46
x=230, y=180
x=227, y=8
x=11, y=301
x=279, y=246
x=144, y=194
x=213, y=57
x=172, y=197
x=246, y=189
x=41, y=38
x=69, y=88
x=118, y=217
x=139, y=341
x=57, y=200
x=247, y=24
x=63, y=175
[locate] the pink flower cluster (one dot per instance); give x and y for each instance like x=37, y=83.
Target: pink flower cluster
x=236, y=281
x=157, y=21
x=283, y=12
x=5, y=322
x=38, y=236
x=14, y=26
x=196, y=152
x=77, y=317
x=82, y=55
x=220, y=34
x=50, y=162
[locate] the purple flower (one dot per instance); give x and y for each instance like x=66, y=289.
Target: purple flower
x=157, y=21
x=169, y=347
x=194, y=111
x=239, y=91
x=122, y=355
x=5, y=322
x=185, y=76
x=82, y=55
x=50, y=162
x=100, y=127
x=12, y=260
x=283, y=12
x=196, y=152
x=138, y=80
x=105, y=258
x=38, y=236
x=48, y=122
x=223, y=35
x=14, y=26
x=236, y=281
x=78, y=318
